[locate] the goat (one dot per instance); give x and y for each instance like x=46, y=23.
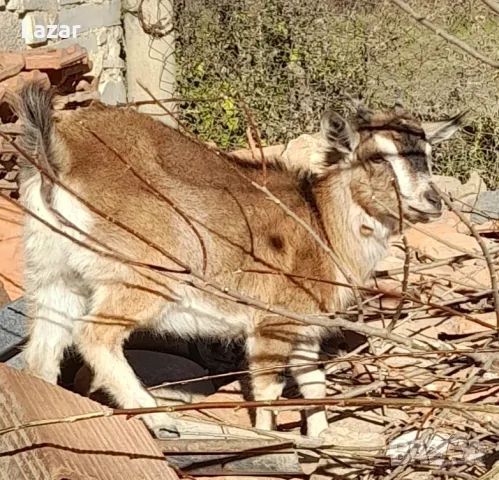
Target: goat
x=213, y=220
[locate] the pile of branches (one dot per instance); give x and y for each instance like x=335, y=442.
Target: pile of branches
x=415, y=396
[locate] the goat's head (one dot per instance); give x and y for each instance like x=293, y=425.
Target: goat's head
x=389, y=155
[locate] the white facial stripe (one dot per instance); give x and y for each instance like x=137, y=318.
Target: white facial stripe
x=427, y=151
x=390, y=153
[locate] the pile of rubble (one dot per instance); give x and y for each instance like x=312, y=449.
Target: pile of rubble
x=64, y=69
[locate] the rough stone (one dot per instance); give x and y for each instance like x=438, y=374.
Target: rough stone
x=447, y=184
x=10, y=33
x=113, y=61
x=469, y=192
x=113, y=91
x=86, y=40
x=466, y=194
x=351, y=431
x=91, y=15
x=29, y=23
x=437, y=250
x=488, y=203
x=21, y=6
x=12, y=328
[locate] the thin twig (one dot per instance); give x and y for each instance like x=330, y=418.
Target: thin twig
x=354, y=402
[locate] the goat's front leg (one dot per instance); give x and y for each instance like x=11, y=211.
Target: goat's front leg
x=311, y=381
x=116, y=312
x=268, y=347
x=53, y=309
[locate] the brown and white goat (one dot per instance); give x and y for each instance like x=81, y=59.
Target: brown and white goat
x=78, y=296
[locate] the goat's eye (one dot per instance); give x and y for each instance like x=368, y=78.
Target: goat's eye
x=376, y=159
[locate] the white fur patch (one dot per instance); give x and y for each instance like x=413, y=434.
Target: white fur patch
x=428, y=156
x=389, y=151
x=192, y=317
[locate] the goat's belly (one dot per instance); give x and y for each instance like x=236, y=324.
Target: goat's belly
x=191, y=318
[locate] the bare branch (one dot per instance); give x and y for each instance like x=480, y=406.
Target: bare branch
x=353, y=402
x=445, y=35
x=493, y=5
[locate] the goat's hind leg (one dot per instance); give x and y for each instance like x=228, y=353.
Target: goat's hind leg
x=311, y=381
x=53, y=309
x=115, y=313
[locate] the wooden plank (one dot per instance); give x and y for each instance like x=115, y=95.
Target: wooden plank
x=107, y=448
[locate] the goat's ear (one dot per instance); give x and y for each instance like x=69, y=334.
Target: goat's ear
x=437, y=132
x=338, y=133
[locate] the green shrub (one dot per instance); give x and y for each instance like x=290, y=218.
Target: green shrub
x=291, y=59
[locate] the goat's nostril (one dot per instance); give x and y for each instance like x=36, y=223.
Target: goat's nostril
x=433, y=198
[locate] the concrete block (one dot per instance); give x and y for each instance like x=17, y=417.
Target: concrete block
x=92, y=15
x=21, y=6
x=113, y=91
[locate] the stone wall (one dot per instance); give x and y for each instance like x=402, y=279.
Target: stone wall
x=101, y=33
x=102, y=24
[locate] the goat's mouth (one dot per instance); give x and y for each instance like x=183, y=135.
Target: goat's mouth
x=426, y=216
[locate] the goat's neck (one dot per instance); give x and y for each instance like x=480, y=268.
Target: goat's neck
x=359, y=240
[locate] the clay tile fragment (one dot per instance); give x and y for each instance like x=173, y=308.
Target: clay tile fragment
x=11, y=63
x=54, y=58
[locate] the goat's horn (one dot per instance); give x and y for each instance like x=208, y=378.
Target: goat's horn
x=362, y=111
x=399, y=107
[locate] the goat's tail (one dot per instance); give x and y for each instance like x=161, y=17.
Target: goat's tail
x=34, y=109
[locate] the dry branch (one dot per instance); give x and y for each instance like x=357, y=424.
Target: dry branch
x=355, y=402
x=445, y=35
x=493, y=5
